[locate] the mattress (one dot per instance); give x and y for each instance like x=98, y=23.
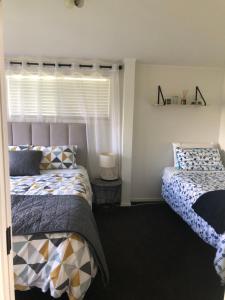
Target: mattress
x=59, y=262
x=181, y=189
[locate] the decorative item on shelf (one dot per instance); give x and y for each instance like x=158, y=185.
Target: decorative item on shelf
x=168, y=101
x=108, y=167
x=175, y=100
x=184, y=97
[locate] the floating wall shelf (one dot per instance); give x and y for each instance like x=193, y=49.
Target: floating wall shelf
x=179, y=105
x=196, y=103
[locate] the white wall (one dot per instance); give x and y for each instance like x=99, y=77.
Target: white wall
x=178, y=32
x=222, y=125
x=156, y=127
x=127, y=128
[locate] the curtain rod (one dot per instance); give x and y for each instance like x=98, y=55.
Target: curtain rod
x=120, y=67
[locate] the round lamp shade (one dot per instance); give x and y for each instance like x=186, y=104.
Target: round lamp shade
x=108, y=168
x=107, y=160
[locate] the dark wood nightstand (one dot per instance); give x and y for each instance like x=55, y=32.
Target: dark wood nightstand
x=106, y=192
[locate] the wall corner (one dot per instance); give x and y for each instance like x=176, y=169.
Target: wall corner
x=127, y=128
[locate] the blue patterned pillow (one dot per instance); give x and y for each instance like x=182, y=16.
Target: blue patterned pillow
x=199, y=159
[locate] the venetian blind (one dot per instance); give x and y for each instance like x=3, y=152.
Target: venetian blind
x=54, y=96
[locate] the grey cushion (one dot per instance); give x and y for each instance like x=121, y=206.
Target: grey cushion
x=24, y=163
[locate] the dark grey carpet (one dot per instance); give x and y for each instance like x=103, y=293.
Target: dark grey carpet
x=152, y=254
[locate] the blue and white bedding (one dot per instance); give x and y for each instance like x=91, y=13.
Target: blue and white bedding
x=181, y=189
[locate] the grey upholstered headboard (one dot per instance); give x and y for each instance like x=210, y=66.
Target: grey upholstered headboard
x=50, y=134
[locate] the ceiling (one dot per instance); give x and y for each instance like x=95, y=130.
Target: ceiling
x=175, y=32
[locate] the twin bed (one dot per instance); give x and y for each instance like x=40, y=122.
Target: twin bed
x=198, y=197
x=44, y=255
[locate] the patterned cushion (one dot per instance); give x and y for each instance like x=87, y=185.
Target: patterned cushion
x=57, y=157
x=19, y=147
x=199, y=159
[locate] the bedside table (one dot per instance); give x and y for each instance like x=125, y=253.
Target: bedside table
x=106, y=192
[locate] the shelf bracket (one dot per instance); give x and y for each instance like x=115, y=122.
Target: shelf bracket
x=161, y=94
x=198, y=92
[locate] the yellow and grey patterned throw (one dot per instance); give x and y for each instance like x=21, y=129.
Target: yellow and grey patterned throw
x=75, y=182
x=57, y=157
x=59, y=262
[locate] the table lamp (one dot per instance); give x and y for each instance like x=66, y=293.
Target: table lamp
x=108, y=167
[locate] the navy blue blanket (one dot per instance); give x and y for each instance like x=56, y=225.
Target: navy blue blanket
x=211, y=207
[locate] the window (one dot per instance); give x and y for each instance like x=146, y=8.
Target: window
x=30, y=96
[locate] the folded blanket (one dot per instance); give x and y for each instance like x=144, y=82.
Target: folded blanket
x=58, y=213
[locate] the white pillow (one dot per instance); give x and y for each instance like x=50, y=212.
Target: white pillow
x=189, y=145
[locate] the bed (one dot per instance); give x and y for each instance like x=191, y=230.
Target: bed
x=181, y=190
x=55, y=261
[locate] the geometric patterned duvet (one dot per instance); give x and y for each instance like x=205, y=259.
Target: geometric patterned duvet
x=59, y=262
x=181, y=190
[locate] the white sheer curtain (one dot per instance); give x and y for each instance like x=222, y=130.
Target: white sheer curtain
x=104, y=134
x=68, y=93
